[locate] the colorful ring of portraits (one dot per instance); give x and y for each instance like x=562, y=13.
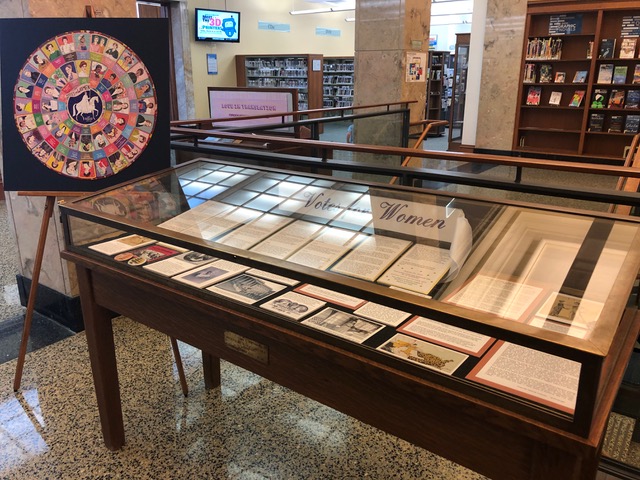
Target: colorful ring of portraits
x=85, y=105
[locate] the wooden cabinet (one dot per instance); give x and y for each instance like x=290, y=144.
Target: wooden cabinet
x=437, y=89
x=563, y=100
x=302, y=72
x=337, y=82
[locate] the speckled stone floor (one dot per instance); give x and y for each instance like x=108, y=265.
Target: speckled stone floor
x=249, y=428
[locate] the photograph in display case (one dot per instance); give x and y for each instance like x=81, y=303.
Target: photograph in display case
x=149, y=254
x=293, y=305
x=211, y=273
x=344, y=325
x=423, y=353
x=246, y=288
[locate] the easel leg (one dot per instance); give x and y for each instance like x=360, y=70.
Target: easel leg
x=35, y=278
x=179, y=367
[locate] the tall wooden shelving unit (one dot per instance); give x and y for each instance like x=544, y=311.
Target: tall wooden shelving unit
x=563, y=129
x=437, y=88
x=338, y=82
x=302, y=72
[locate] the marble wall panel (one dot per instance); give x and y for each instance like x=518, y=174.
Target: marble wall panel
x=66, y=8
x=504, y=36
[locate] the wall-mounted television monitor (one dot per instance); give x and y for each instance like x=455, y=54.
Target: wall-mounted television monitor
x=217, y=25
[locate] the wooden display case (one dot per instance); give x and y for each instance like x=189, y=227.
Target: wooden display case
x=338, y=82
x=491, y=333
x=437, y=89
x=548, y=119
x=302, y=72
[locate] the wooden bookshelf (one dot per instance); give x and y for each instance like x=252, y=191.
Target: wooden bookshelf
x=438, y=92
x=302, y=72
x=563, y=128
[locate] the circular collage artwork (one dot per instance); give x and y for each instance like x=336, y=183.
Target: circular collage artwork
x=85, y=105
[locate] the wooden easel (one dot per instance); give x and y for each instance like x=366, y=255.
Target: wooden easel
x=35, y=277
x=33, y=291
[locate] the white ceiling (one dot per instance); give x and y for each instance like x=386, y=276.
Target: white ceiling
x=442, y=11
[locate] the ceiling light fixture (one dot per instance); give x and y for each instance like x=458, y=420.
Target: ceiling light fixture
x=321, y=10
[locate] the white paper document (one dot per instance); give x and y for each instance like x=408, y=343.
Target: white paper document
x=371, y=257
x=326, y=248
x=447, y=335
x=248, y=235
x=419, y=269
x=287, y=240
x=531, y=374
x=122, y=244
x=494, y=295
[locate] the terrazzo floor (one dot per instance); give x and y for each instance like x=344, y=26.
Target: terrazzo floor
x=250, y=428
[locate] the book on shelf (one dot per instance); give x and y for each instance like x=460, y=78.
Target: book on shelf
x=628, y=47
x=599, y=99
x=633, y=99
x=546, y=73
x=544, y=48
x=607, y=48
x=580, y=76
x=560, y=77
x=529, y=73
x=619, y=74
x=596, y=122
x=590, y=50
x=605, y=73
x=616, y=100
x=533, y=95
x=576, y=99
x=554, y=98
x=615, y=124
x=632, y=124
x=636, y=74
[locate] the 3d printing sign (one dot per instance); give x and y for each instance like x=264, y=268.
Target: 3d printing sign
x=85, y=105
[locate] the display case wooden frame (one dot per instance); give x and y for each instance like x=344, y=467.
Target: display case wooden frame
x=449, y=415
x=303, y=72
x=563, y=129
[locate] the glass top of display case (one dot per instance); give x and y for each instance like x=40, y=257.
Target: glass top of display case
x=351, y=259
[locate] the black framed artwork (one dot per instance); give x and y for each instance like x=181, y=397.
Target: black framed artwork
x=85, y=102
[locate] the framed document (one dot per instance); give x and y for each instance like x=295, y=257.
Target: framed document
x=246, y=288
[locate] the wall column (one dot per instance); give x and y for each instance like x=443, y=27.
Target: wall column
x=385, y=33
